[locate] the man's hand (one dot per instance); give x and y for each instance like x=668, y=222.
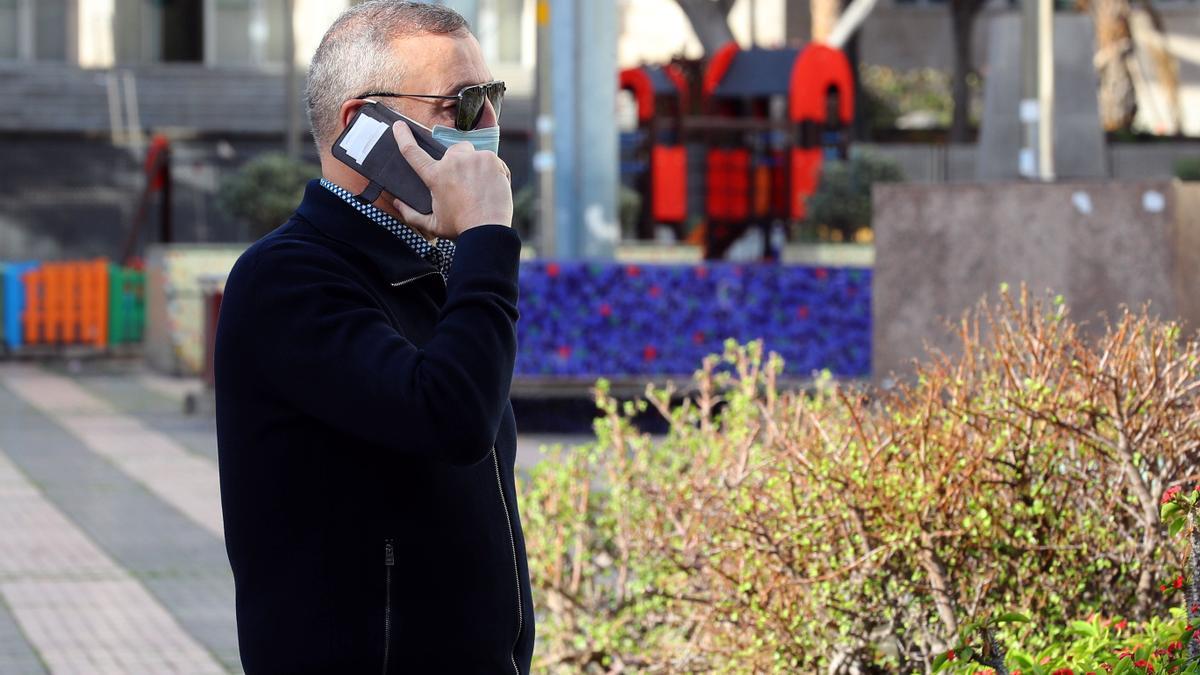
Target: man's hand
x=470, y=187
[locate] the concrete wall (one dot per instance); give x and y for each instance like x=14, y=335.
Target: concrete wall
x=929, y=163
x=939, y=249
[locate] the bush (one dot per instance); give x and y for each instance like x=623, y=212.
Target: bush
x=845, y=529
x=1188, y=168
x=840, y=208
x=920, y=98
x=265, y=191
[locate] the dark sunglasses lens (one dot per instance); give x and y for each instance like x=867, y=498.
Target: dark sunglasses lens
x=495, y=94
x=470, y=108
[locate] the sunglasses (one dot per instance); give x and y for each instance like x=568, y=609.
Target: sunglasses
x=470, y=101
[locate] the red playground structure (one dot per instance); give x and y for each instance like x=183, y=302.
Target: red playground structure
x=653, y=157
x=768, y=119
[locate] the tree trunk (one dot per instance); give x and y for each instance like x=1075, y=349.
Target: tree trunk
x=824, y=17
x=710, y=21
x=1167, y=66
x=962, y=18
x=1114, y=46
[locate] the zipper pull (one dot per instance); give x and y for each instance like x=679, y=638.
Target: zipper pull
x=389, y=554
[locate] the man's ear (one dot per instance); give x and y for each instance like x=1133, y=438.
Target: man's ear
x=347, y=112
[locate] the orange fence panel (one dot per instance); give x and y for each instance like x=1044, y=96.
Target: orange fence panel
x=67, y=303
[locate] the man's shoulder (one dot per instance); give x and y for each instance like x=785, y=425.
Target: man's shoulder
x=294, y=248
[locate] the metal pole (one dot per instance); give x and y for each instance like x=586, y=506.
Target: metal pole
x=753, y=24
x=543, y=160
x=290, y=87
x=1029, y=111
x=1045, y=90
x=583, y=78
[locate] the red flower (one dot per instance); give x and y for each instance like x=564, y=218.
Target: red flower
x=1175, y=646
x=698, y=337
x=552, y=270
x=702, y=273
x=649, y=353
x=1141, y=663
x=632, y=270
x=1195, y=608
x=1170, y=493
x=605, y=309
x=821, y=273
x=802, y=312
x=1120, y=625
x=655, y=291
x=1179, y=581
x=564, y=352
x=1063, y=671
x=1162, y=587
x=950, y=656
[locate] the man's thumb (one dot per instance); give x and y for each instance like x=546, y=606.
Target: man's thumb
x=416, y=157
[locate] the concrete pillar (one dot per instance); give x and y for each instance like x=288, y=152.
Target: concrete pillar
x=583, y=79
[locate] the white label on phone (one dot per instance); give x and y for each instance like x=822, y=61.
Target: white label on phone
x=362, y=137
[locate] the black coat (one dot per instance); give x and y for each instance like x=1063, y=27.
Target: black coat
x=367, y=449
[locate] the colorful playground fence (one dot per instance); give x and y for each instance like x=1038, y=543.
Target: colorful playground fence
x=91, y=303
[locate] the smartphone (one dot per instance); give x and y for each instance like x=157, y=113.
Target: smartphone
x=368, y=146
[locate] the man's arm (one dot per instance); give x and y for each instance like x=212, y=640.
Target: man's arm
x=325, y=347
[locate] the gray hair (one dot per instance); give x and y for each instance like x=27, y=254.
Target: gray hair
x=354, y=56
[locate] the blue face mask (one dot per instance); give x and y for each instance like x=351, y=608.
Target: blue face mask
x=482, y=139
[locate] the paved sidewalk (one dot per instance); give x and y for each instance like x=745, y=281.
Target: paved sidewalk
x=111, y=551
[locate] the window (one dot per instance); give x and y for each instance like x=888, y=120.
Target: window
x=33, y=29
x=248, y=32
x=505, y=31
x=9, y=48
x=219, y=32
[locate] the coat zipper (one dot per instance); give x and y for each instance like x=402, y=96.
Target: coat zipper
x=419, y=276
x=516, y=571
x=389, y=560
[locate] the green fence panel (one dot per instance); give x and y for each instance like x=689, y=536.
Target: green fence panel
x=126, y=305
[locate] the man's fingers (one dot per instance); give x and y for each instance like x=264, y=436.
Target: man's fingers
x=417, y=158
x=413, y=218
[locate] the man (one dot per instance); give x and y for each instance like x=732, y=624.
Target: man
x=363, y=363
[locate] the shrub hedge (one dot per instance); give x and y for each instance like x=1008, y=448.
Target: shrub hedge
x=1005, y=497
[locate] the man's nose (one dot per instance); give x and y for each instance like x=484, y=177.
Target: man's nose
x=488, y=116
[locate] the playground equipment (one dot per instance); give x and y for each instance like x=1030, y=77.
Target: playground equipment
x=773, y=116
x=89, y=303
x=766, y=121
x=653, y=157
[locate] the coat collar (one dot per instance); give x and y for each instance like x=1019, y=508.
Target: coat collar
x=396, y=260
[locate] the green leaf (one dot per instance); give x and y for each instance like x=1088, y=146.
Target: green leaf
x=1084, y=628
x=1012, y=617
x=1169, y=509
x=1175, y=526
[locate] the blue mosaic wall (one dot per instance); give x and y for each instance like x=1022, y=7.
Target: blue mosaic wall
x=601, y=318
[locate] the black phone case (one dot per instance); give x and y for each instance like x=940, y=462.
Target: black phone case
x=383, y=164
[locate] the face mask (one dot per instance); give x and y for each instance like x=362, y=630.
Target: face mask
x=482, y=139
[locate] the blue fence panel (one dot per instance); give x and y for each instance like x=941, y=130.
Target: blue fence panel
x=587, y=319
x=14, y=302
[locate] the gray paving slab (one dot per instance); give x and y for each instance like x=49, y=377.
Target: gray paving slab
x=182, y=564
x=120, y=386
x=17, y=656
